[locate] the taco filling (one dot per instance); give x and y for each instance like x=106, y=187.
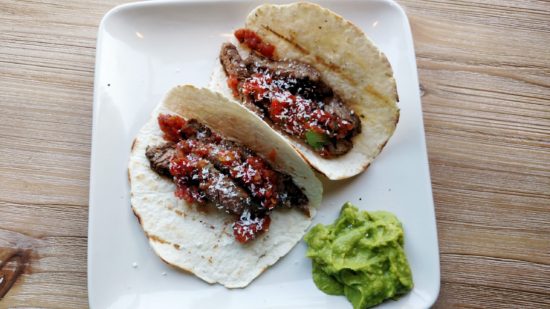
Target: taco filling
x=209, y=169
x=290, y=95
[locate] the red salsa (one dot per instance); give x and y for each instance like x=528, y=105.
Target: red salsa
x=171, y=125
x=246, y=228
x=254, y=42
x=193, y=159
x=184, y=168
x=293, y=113
x=233, y=84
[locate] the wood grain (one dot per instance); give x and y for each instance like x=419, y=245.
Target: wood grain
x=485, y=73
x=484, y=69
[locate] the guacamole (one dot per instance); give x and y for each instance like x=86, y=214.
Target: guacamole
x=360, y=256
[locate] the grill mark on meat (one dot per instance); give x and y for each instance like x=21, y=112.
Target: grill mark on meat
x=160, y=156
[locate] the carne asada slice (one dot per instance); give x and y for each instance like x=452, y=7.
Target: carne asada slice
x=207, y=168
x=237, y=70
x=291, y=96
x=160, y=156
x=270, y=187
x=201, y=182
x=232, y=61
x=197, y=180
x=289, y=69
x=266, y=185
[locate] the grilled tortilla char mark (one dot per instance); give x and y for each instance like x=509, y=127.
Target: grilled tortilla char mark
x=297, y=79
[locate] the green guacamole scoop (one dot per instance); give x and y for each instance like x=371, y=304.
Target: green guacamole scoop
x=360, y=256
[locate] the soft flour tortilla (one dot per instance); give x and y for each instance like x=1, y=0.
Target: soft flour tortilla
x=348, y=61
x=202, y=242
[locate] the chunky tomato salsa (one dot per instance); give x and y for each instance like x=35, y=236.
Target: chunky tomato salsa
x=209, y=169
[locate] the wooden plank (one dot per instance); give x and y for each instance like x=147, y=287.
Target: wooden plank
x=484, y=74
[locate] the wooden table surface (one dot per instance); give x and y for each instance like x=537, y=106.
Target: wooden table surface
x=484, y=69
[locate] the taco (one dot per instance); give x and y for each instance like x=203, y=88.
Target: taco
x=316, y=79
x=217, y=192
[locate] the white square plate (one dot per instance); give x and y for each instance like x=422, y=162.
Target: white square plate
x=143, y=50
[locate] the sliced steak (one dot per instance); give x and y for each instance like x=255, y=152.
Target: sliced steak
x=339, y=147
x=215, y=186
x=235, y=67
x=231, y=159
x=160, y=156
x=285, y=190
x=232, y=62
x=288, y=69
x=297, y=77
x=224, y=193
